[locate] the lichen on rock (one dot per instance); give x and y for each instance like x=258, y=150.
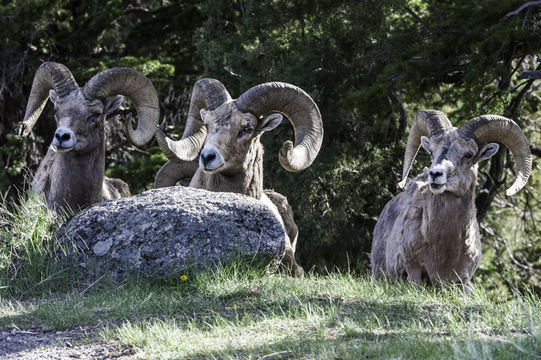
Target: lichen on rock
x=164, y=231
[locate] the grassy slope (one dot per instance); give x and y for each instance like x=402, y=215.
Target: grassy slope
x=241, y=313
x=233, y=313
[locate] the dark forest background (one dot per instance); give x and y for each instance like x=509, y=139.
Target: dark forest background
x=369, y=64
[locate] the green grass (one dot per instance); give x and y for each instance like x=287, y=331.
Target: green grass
x=28, y=250
x=241, y=313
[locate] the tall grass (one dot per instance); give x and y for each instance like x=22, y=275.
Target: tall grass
x=28, y=249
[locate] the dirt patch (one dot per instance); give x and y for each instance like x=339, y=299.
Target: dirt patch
x=36, y=344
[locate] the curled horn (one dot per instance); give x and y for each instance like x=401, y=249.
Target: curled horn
x=494, y=128
x=48, y=76
x=427, y=123
x=138, y=88
x=301, y=111
x=171, y=172
x=206, y=94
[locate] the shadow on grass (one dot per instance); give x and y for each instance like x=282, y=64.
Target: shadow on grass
x=365, y=346
x=352, y=327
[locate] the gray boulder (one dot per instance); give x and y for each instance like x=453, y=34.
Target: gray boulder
x=164, y=231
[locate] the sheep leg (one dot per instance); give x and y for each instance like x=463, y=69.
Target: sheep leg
x=114, y=189
x=415, y=275
x=467, y=287
x=289, y=262
x=292, y=232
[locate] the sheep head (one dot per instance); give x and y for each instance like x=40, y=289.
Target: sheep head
x=80, y=112
x=230, y=136
x=225, y=128
x=455, y=152
x=453, y=161
x=79, y=121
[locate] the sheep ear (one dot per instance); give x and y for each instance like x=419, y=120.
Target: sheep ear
x=52, y=96
x=426, y=144
x=488, y=151
x=269, y=122
x=203, y=113
x=112, y=103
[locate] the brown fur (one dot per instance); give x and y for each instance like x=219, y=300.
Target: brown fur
x=292, y=231
x=429, y=233
x=421, y=236
x=74, y=179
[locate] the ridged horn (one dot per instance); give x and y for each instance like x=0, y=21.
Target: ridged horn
x=427, y=123
x=301, y=111
x=49, y=75
x=137, y=87
x=494, y=128
x=206, y=94
x=171, y=172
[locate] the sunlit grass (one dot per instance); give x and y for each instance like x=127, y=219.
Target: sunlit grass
x=236, y=312
x=28, y=249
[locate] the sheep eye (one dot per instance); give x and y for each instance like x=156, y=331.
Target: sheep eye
x=468, y=156
x=93, y=116
x=246, y=130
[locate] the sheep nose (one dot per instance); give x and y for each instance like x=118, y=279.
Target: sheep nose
x=206, y=158
x=62, y=136
x=434, y=174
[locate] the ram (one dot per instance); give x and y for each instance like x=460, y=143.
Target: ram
x=225, y=134
x=71, y=175
x=429, y=232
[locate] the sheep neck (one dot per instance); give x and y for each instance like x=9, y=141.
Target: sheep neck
x=449, y=220
x=248, y=182
x=77, y=179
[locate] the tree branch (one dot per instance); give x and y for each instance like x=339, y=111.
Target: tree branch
x=513, y=106
x=535, y=151
x=416, y=17
x=403, y=119
x=493, y=182
x=436, y=10
x=522, y=7
x=136, y=9
x=530, y=75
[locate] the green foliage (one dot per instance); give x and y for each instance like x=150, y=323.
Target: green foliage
x=12, y=149
x=144, y=166
x=321, y=47
x=512, y=250
x=160, y=73
x=334, y=215
x=369, y=65
x=457, y=52
x=88, y=37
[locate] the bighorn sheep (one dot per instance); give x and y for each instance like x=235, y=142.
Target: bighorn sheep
x=71, y=175
x=430, y=232
x=227, y=132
